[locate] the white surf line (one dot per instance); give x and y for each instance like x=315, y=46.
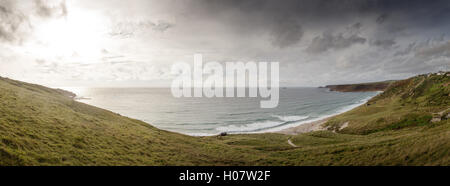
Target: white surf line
x=290, y=143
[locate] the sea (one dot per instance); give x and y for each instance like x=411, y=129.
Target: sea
x=211, y=116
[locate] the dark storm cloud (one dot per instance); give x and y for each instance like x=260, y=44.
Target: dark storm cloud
x=407, y=50
x=381, y=18
x=278, y=20
x=330, y=30
x=360, y=38
x=356, y=26
x=286, y=34
x=435, y=51
x=330, y=9
x=328, y=41
x=384, y=43
x=286, y=21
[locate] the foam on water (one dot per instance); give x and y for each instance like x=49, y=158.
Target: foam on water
x=291, y=118
x=211, y=116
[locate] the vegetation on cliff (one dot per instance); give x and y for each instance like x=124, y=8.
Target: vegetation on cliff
x=361, y=87
x=43, y=126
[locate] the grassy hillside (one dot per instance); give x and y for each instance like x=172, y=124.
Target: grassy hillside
x=42, y=126
x=361, y=87
x=407, y=103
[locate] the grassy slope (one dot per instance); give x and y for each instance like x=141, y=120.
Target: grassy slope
x=41, y=126
x=361, y=87
x=394, y=129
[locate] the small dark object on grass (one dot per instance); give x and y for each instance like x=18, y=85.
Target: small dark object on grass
x=223, y=134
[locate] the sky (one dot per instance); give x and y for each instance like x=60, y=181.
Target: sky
x=116, y=43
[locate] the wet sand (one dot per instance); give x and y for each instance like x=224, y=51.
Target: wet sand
x=304, y=128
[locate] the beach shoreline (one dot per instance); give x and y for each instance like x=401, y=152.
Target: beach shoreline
x=317, y=125
x=305, y=127
x=291, y=128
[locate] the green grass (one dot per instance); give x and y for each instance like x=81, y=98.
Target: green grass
x=410, y=102
x=372, y=86
x=43, y=126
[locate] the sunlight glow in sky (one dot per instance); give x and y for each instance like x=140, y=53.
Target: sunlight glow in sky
x=80, y=33
x=134, y=43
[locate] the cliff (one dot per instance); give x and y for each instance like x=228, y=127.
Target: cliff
x=407, y=124
x=361, y=87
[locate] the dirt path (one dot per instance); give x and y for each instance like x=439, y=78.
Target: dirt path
x=290, y=143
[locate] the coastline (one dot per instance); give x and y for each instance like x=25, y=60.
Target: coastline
x=289, y=129
x=305, y=128
x=317, y=124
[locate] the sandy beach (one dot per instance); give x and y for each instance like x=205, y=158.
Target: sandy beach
x=304, y=128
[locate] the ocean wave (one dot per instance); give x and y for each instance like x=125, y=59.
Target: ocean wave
x=200, y=134
x=252, y=127
x=261, y=125
x=291, y=118
x=286, y=121
x=242, y=113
